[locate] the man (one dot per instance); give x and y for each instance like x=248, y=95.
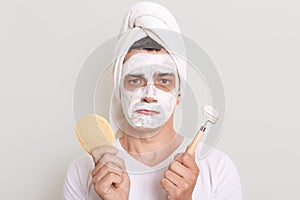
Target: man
x=148, y=159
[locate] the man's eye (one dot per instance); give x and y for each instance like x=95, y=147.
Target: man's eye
x=135, y=81
x=165, y=81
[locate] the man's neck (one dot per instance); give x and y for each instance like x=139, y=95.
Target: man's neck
x=152, y=150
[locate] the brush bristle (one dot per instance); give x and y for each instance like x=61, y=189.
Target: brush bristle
x=210, y=113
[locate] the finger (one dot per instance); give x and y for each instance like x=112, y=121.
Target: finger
x=188, y=161
x=99, y=151
x=109, y=181
x=110, y=165
x=178, y=168
x=104, y=172
x=110, y=160
x=104, y=168
x=181, y=170
x=168, y=186
x=173, y=177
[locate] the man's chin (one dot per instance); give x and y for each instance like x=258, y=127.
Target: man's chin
x=146, y=129
x=142, y=131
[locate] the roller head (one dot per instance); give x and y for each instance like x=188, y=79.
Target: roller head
x=211, y=114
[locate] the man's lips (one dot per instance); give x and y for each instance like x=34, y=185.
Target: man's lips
x=147, y=112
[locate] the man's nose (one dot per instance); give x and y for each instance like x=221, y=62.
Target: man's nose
x=149, y=100
x=149, y=96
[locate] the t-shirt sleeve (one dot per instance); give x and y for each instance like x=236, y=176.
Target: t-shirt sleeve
x=73, y=189
x=228, y=184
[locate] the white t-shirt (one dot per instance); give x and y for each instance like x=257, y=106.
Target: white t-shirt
x=218, y=178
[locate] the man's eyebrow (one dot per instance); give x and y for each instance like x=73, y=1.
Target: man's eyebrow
x=166, y=74
x=135, y=75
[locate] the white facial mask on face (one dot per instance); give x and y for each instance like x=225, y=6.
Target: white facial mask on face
x=138, y=112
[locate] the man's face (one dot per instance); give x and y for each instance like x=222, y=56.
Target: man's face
x=149, y=88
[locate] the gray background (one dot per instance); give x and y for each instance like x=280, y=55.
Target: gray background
x=255, y=45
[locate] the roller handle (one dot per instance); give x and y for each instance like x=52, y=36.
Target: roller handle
x=191, y=148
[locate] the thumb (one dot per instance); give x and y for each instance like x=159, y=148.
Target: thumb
x=177, y=156
x=98, y=152
x=186, y=151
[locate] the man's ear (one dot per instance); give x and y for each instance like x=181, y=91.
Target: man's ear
x=178, y=99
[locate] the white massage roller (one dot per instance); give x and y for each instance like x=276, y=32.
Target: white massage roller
x=211, y=117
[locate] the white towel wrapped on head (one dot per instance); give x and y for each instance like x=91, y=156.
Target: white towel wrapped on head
x=149, y=15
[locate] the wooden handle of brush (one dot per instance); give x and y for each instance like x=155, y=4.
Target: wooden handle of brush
x=191, y=148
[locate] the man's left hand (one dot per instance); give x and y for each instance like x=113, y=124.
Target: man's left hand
x=180, y=178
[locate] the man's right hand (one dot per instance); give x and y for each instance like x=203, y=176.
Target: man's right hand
x=109, y=175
